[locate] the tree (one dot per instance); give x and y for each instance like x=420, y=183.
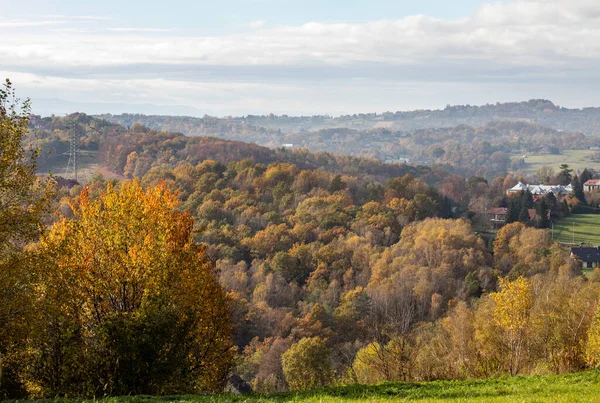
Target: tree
x=545, y=174
x=336, y=184
x=523, y=214
x=127, y=300
x=307, y=364
x=541, y=211
x=585, y=176
x=24, y=198
x=512, y=313
x=565, y=174
x=578, y=189
x=592, y=348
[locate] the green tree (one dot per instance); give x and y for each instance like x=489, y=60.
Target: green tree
x=578, y=189
x=307, y=364
x=565, y=175
x=585, y=176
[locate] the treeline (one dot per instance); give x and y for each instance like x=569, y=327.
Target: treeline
x=486, y=151
x=134, y=151
x=539, y=111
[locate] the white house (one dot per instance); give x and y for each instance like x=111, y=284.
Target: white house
x=541, y=189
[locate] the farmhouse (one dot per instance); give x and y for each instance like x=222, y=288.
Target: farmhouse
x=589, y=257
x=497, y=215
x=591, y=185
x=557, y=190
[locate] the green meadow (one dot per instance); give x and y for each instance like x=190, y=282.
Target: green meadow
x=578, y=228
x=576, y=159
x=576, y=387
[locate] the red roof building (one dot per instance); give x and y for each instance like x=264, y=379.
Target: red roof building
x=591, y=185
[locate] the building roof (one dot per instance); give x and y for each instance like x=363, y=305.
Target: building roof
x=541, y=189
x=589, y=254
x=592, y=182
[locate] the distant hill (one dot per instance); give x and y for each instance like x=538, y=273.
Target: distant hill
x=538, y=111
x=118, y=151
x=489, y=149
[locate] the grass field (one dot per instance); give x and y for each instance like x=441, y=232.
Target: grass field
x=587, y=229
x=577, y=160
x=579, y=387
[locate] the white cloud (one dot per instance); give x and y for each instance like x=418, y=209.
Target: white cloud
x=27, y=23
x=522, y=33
x=256, y=24
x=133, y=29
x=541, y=40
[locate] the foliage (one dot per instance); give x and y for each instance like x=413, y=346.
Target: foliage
x=592, y=352
x=24, y=199
x=306, y=364
x=127, y=301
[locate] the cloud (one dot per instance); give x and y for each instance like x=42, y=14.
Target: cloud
x=77, y=17
x=523, y=44
x=133, y=29
x=522, y=33
x=27, y=23
x=256, y=24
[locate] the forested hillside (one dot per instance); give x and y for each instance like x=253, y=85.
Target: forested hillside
x=288, y=269
x=489, y=150
x=538, y=111
x=134, y=151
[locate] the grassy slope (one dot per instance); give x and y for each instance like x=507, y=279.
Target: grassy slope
x=587, y=229
x=578, y=387
x=577, y=159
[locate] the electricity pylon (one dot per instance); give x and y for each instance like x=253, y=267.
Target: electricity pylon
x=71, y=170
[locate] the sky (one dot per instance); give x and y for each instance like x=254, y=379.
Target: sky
x=239, y=57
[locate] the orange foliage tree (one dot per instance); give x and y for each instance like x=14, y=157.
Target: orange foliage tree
x=128, y=302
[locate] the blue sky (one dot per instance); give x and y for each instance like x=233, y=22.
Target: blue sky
x=298, y=57
x=218, y=17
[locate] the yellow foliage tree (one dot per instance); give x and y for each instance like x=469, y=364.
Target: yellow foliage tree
x=24, y=198
x=126, y=294
x=592, y=349
x=512, y=313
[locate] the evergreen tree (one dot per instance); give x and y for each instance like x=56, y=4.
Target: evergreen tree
x=585, y=176
x=541, y=210
x=336, y=184
x=565, y=175
x=513, y=209
x=524, y=214
x=527, y=199
x=578, y=189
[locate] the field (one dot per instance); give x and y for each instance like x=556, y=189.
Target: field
x=579, y=387
x=577, y=160
x=587, y=229
x=89, y=165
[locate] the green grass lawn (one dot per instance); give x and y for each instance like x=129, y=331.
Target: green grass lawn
x=577, y=160
x=578, y=387
x=587, y=229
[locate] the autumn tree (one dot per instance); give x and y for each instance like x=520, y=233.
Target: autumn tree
x=23, y=199
x=127, y=301
x=307, y=364
x=592, y=351
x=512, y=313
